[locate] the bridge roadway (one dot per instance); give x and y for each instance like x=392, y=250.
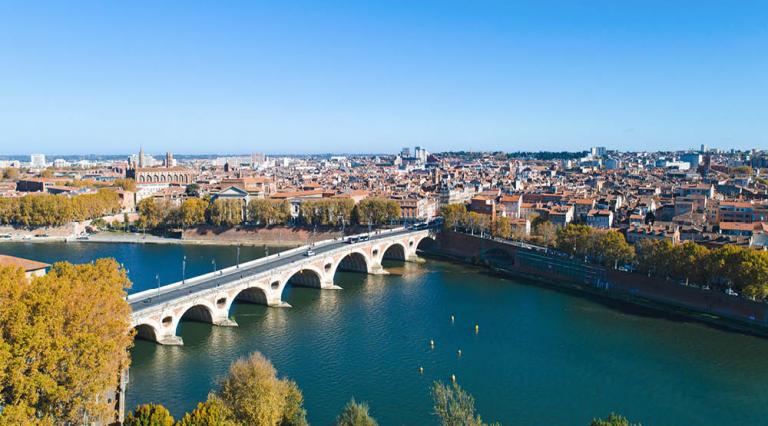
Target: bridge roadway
x=209, y=296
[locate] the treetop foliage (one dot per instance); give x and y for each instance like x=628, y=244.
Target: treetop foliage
x=56, y=210
x=64, y=339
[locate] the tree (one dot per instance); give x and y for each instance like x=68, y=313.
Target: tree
x=502, y=227
x=478, y=222
x=574, y=239
x=226, y=213
x=127, y=184
x=46, y=173
x=355, y=414
x=294, y=413
x=454, y=216
x=609, y=248
x=377, y=211
x=192, y=190
x=687, y=262
x=454, y=406
x=64, y=340
x=545, y=233
x=269, y=212
x=11, y=173
x=256, y=396
x=209, y=413
x=149, y=415
x=192, y=212
x=612, y=420
x=151, y=213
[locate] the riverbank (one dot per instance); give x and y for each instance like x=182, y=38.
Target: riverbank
x=606, y=285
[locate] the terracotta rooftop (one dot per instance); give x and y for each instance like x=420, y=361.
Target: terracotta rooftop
x=18, y=262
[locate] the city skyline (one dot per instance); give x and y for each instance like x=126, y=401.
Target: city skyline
x=344, y=77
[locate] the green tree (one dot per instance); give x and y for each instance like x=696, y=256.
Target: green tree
x=612, y=420
x=256, y=396
x=454, y=406
x=149, y=415
x=192, y=190
x=64, y=340
x=574, y=239
x=209, y=413
x=355, y=414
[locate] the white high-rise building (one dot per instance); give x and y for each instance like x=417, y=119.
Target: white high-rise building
x=37, y=161
x=420, y=154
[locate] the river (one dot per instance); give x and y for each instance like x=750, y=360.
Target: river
x=540, y=356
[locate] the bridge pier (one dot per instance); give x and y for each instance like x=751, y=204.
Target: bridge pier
x=170, y=340
x=327, y=284
x=377, y=269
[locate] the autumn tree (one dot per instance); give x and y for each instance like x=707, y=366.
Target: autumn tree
x=224, y=212
x=377, y=211
x=478, y=222
x=151, y=213
x=149, y=415
x=211, y=412
x=256, y=396
x=502, y=227
x=46, y=173
x=355, y=414
x=192, y=212
x=609, y=248
x=544, y=233
x=269, y=212
x=64, y=340
x=454, y=216
x=127, y=184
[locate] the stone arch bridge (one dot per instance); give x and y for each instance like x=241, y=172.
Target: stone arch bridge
x=209, y=297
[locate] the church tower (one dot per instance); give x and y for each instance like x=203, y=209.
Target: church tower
x=141, y=157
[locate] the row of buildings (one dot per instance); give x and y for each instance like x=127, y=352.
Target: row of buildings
x=709, y=196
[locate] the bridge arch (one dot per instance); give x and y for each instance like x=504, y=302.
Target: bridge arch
x=306, y=276
x=255, y=295
x=355, y=261
x=395, y=251
x=198, y=312
x=425, y=243
x=146, y=331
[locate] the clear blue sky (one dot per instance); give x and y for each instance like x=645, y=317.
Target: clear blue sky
x=361, y=76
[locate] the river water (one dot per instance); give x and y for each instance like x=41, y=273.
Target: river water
x=540, y=356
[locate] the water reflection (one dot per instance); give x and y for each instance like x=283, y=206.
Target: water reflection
x=535, y=348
